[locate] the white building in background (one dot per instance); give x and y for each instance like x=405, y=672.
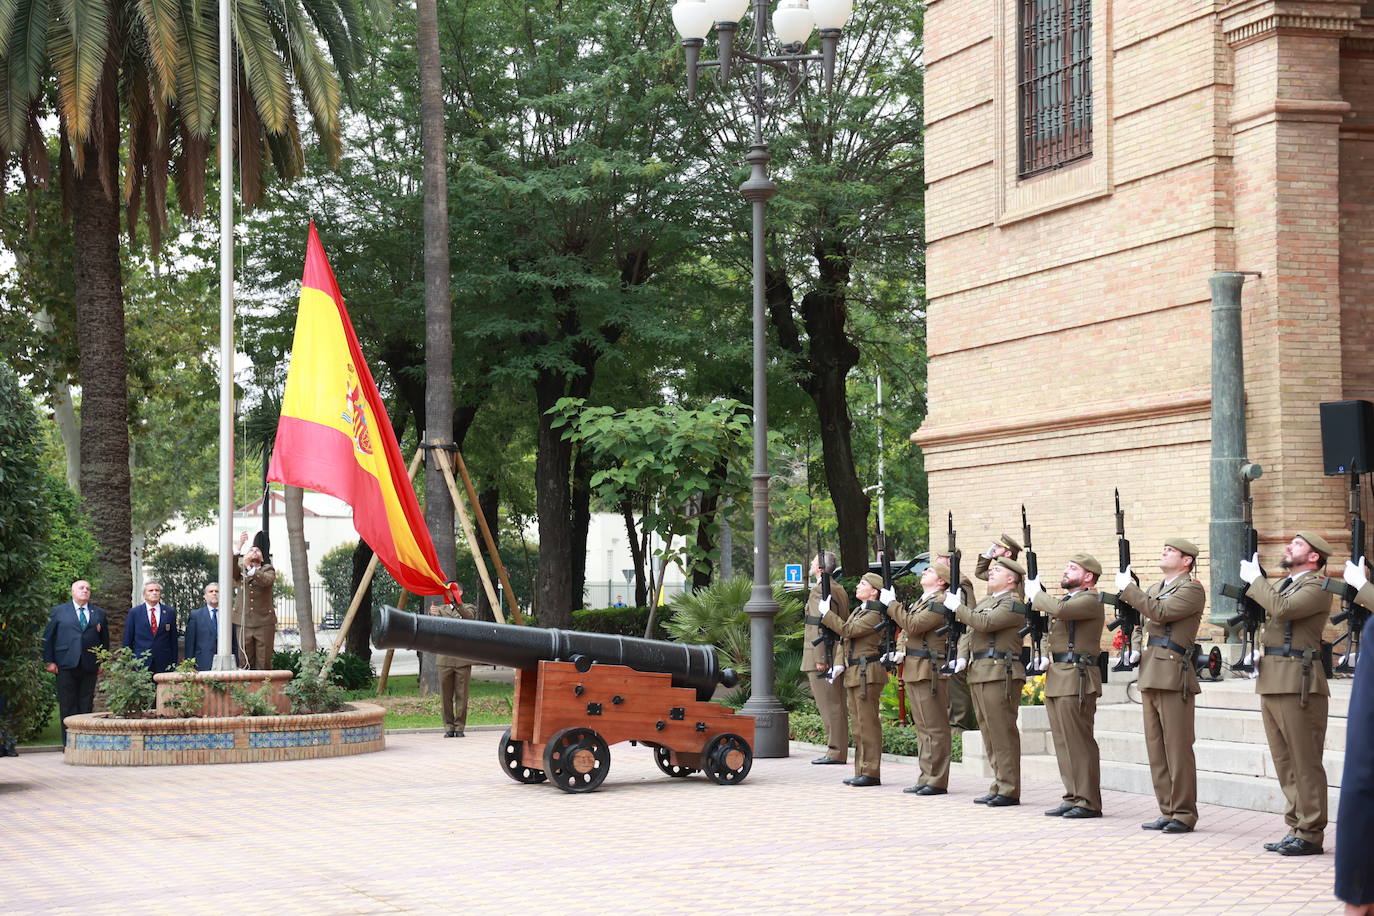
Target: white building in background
x=610, y=564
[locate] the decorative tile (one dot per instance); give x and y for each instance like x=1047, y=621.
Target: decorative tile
x=288, y=739
x=361, y=734
x=101, y=742
x=189, y=742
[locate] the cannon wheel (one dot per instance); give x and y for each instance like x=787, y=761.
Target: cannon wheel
x=727, y=759
x=577, y=759
x=663, y=757
x=511, y=754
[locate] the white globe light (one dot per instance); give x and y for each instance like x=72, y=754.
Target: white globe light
x=832, y=14
x=728, y=10
x=793, y=21
x=692, y=18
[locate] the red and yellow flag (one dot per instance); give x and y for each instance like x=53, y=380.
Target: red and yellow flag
x=334, y=435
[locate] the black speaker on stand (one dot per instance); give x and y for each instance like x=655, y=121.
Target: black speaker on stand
x=1347, y=437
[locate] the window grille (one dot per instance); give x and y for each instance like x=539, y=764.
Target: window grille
x=1055, y=83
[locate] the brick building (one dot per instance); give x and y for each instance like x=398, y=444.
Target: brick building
x=1090, y=164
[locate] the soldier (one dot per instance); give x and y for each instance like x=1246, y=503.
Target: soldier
x=830, y=700
x=1171, y=612
x=455, y=673
x=960, y=701
x=923, y=653
x=861, y=666
x=996, y=675
x=1292, y=686
x=255, y=612
x=1005, y=546
x=1073, y=682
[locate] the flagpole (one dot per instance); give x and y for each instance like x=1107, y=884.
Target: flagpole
x=224, y=658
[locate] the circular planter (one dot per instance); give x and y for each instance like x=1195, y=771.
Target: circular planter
x=219, y=702
x=96, y=739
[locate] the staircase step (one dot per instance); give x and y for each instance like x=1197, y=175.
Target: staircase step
x=1232, y=757
x=1238, y=725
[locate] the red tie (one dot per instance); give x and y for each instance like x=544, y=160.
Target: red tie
x=152, y=619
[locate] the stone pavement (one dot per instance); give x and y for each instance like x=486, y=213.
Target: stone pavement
x=433, y=825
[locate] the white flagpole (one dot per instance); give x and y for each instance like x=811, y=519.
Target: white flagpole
x=224, y=658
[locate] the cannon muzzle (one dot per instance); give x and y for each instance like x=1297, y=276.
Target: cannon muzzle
x=691, y=666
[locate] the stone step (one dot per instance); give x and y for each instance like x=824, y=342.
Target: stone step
x=1242, y=726
x=1212, y=756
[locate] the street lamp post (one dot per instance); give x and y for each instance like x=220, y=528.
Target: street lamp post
x=793, y=21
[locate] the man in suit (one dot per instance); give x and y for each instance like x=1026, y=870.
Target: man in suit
x=75, y=628
x=455, y=673
x=1073, y=682
x=254, y=609
x=1171, y=612
x=996, y=675
x=860, y=665
x=1292, y=686
x=151, y=627
x=830, y=699
x=202, y=631
x=1355, y=821
x=922, y=653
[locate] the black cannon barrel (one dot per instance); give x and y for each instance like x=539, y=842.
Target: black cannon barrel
x=525, y=647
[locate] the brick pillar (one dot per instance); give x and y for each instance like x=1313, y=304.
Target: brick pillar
x=1357, y=213
x=1285, y=125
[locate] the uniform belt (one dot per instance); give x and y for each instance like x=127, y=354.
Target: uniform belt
x=1167, y=643
x=918, y=653
x=1074, y=657
x=865, y=660
x=813, y=621
x=990, y=653
x=1290, y=652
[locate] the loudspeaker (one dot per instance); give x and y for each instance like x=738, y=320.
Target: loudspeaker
x=1347, y=437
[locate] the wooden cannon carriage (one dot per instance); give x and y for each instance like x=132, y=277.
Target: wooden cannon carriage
x=576, y=694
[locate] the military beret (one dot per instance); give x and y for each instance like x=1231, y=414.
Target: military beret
x=1011, y=564
x=941, y=570
x=872, y=579
x=1009, y=542
x=1088, y=562
x=1317, y=543
x=1182, y=545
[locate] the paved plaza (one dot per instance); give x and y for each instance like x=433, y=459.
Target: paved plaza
x=432, y=825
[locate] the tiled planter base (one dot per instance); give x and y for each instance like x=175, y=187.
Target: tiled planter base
x=96, y=739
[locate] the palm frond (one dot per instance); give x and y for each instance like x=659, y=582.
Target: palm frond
x=27, y=57
x=78, y=44
x=162, y=24
x=9, y=10
x=264, y=69
x=197, y=69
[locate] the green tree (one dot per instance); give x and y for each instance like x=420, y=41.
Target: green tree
x=184, y=571
x=135, y=92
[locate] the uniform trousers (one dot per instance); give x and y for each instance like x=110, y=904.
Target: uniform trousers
x=258, y=644
x=868, y=730
x=453, y=694
x=1169, y=738
x=1296, y=739
x=1075, y=748
x=830, y=703
x=930, y=710
x=960, y=702
x=997, y=726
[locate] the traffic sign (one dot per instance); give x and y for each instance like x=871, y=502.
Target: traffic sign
x=792, y=574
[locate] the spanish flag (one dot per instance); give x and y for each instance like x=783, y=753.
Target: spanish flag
x=334, y=436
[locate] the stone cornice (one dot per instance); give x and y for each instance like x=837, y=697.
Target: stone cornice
x=1249, y=21
x=1168, y=404
x=1331, y=111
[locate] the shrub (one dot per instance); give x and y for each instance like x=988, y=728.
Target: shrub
x=623, y=621
x=806, y=726
x=311, y=691
x=125, y=683
x=187, y=697
x=287, y=660
x=184, y=571
x=254, y=702
x=349, y=671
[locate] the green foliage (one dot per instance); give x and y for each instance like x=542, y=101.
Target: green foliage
x=184, y=570
x=624, y=621
x=187, y=697
x=254, y=702
x=806, y=725
x=287, y=660
x=125, y=683
x=350, y=672
x=335, y=570
x=313, y=690
x=25, y=524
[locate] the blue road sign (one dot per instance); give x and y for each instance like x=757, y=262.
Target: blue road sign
x=792, y=574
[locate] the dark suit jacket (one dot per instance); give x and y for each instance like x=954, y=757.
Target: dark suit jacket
x=65, y=643
x=162, y=645
x=202, y=639
x=1355, y=816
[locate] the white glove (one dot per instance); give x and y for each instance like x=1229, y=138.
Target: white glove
x=1123, y=579
x=823, y=605
x=1135, y=657
x=1250, y=569
x=1033, y=587
x=1355, y=574
x=988, y=553
x=1043, y=663
x=960, y=664
x=894, y=656
x=835, y=672
x=952, y=601
x=887, y=596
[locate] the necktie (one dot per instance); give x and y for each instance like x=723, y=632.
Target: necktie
x=1283, y=586
x=152, y=619
x=81, y=615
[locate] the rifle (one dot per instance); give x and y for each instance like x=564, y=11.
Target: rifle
x=1036, y=624
x=887, y=626
x=1351, y=611
x=952, y=628
x=1251, y=614
x=1127, y=617
x=827, y=636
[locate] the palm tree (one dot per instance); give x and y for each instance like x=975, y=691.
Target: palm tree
x=134, y=87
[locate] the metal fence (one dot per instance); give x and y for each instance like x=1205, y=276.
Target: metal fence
x=319, y=600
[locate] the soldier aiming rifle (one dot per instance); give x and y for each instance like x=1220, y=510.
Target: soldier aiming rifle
x=887, y=626
x=953, y=630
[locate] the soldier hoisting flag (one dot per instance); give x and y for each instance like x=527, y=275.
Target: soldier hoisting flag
x=334, y=435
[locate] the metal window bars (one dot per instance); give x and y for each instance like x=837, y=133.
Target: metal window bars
x=1054, y=83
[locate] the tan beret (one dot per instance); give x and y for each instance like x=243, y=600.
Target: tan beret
x=1010, y=542
x=1317, y=543
x=872, y=579
x=1009, y=563
x=941, y=570
x=1088, y=562
x=1182, y=545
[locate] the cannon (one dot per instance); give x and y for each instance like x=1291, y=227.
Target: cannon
x=578, y=693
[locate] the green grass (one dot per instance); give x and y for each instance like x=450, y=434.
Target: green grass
x=51, y=734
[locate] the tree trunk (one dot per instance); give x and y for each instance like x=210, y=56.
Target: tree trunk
x=103, y=371
x=438, y=308
x=489, y=504
x=553, y=498
x=360, y=631
x=581, y=522
x=706, y=519
x=300, y=566
x=636, y=554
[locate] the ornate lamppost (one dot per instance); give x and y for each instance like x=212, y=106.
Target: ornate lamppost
x=793, y=22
